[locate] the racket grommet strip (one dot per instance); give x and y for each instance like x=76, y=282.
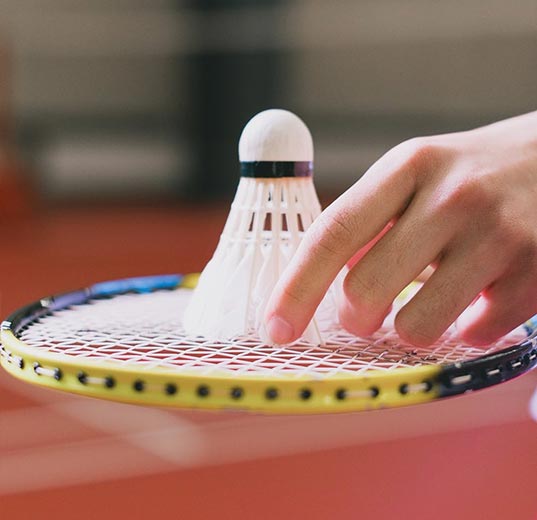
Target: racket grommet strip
x=138, y=385
x=12, y=358
x=374, y=390
x=85, y=379
x=305, y=394
x=461, y=379
x=271, y=393
x=341, y=394
x=170, y=389
x=55, y=372
x=493, y=372
x=516, y=364
x=416, y=388
x=203, y=391
x=236, y=392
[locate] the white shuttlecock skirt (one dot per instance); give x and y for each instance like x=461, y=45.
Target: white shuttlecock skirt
x=266, y=223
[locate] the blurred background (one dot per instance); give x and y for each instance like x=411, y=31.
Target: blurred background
x=119, y=123
x=147, y=98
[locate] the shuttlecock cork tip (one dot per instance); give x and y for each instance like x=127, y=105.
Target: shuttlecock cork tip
x=276, y=135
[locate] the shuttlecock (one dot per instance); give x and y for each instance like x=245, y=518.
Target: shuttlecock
x=274, y=204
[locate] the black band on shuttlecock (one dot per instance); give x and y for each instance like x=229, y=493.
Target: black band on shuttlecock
x=276, y=169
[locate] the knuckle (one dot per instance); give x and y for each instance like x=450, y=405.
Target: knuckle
x=508, y=241
x=332, y=233
x=506, y=237
x=525, y=245
x=421, y=154
x=469, y=194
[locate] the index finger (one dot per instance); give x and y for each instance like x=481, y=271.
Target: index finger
x=346, y=226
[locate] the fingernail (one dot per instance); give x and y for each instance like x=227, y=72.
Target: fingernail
x=279, y=330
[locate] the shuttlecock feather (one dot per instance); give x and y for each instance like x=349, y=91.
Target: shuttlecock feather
x=274, y=204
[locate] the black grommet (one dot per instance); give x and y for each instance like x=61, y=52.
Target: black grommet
x=341, y=394
x=236, y=392
x=21, y=363
x=526, y=359
x=203, y=391
x=428, y=385
x=138, y=385
x=82, y=377
x=57, y=374
x=374, y=391
x=170, y=389
x=403, y=389
x=305, y=394
x=109, y=382
x=36, y=365
x=271, y=393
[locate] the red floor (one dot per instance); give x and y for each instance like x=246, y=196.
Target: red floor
x=67, y=457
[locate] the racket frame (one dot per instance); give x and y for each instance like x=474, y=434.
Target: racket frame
x=222, y=390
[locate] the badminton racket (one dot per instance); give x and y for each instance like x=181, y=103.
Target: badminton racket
x=123, y=340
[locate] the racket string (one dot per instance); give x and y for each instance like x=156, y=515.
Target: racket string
x=146, y=330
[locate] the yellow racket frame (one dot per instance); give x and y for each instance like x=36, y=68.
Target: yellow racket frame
x=260, y=393
x=288, y=392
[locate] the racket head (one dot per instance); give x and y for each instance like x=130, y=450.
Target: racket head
x=122, y=340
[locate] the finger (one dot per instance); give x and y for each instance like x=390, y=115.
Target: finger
x=352, y=221
x=362, y=252
x=396, y=260
x=456, y=282
x=500, y=309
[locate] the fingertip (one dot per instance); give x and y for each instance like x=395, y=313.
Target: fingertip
x=414, y=332
x=481, y=324
x=477, y=338
x=416, y=338
x=471, y=326
x=352, y=320
x=279, y=330
x=288, y=312
x=282, y=320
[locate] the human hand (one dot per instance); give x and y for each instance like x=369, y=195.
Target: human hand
x=465, y=203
